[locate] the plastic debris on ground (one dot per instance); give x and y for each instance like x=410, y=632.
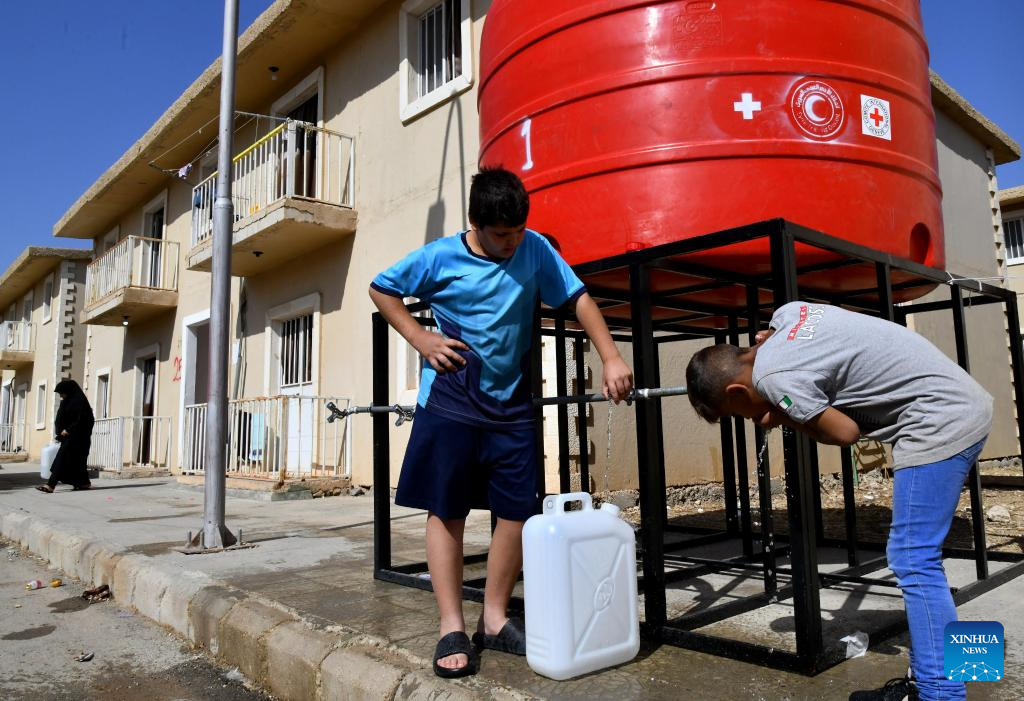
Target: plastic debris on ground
x=856, y=644
x=84, y=657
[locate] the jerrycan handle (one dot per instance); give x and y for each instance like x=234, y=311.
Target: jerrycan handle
x=555, y=503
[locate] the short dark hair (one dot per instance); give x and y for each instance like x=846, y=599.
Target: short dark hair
x=710, y=371
x=497, y=198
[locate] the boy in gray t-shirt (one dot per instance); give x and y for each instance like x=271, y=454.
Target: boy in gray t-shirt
x=838, y=375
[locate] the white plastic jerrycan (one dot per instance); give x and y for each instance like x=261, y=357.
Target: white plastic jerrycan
x=579, y=580
x=46, y=459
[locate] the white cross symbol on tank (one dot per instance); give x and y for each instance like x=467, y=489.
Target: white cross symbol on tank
x=747, y=105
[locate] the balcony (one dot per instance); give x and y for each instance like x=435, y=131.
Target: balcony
x=124, y=443
x=134, y=280
x=293, y=192
x=17, y=345
x=277, y=438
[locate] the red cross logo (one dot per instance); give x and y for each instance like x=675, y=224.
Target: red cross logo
x=876, y=117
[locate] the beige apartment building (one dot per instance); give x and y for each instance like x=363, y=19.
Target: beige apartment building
x=356, y=139
x=40, y=298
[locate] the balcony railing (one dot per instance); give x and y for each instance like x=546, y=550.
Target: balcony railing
x=274, y=437
x=131, y=442
x=295, y=159
x=17, y=337
x=12, y=438
x=135, y=261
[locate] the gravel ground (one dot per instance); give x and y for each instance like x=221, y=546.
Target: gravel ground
x=43, y=630
x=704, y=505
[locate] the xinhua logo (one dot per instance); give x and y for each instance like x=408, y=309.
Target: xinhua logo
x=974, y=651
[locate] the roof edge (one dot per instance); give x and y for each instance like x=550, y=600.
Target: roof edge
x=31, y=253
x=207, y=80
x=1011, y=197
x=956, y=106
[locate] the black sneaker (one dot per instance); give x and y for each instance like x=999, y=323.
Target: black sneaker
x=899, y=689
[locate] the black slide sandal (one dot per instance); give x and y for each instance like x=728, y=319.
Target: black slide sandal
x=455, y=643
x=511, y=638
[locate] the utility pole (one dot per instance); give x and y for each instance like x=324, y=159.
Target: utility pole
x=215, y=533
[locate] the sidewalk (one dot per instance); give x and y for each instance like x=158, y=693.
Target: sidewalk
x=302, y=616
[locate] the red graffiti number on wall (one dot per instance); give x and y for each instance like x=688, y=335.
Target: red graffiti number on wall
x=177, y=369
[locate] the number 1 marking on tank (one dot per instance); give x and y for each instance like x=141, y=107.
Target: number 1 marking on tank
x=525, y=132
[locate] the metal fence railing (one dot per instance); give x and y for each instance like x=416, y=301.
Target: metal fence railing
x=295, y=159
x=136, y=261
x=17, y=336
x=132, y=442
x=12, y=438
x=275, y=437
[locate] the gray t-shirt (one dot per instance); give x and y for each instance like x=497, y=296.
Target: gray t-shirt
x=897, y=386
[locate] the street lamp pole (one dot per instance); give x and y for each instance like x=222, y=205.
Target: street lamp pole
x=215, y=532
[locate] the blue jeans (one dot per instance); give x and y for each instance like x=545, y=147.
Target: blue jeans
x=924, y=502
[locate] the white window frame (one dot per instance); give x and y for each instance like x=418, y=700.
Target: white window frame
x=409, y=363
x=276, y=316
x=150, y=351
x=188, y=360
x=48, y=297
x=29, y=302
x=102, y=372
x=410, y=104
x=312, y=84
x=41, y=405
x=157, y=203
x=1019, y=220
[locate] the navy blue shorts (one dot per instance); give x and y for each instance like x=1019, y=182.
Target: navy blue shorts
x=452, y=467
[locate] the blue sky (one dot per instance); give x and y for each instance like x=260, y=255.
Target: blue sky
x=84, y=80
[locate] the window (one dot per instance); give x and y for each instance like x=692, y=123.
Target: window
x=1013, y=234
x=103, y=396
x=435, y=42
x=41, y=405
x=297, y=351
x=48, y=299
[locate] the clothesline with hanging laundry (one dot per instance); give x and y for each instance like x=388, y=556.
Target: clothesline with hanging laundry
x=183, y=171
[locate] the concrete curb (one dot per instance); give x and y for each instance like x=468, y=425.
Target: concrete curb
x=272, y=645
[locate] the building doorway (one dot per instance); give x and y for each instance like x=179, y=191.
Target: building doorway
x=143, y=449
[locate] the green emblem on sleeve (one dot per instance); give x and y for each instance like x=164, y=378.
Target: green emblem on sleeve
x=786, y=402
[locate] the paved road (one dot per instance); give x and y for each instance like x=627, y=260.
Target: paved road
x=42, y=631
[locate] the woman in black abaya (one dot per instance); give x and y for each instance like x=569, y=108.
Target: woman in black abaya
x=73, y=430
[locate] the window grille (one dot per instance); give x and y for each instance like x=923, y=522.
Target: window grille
x=297, y=351
x=440, y=46
x=1013, y=234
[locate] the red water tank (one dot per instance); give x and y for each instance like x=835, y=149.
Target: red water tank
x=638, y=123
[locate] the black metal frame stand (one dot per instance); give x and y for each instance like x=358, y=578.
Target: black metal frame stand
x=662, y=295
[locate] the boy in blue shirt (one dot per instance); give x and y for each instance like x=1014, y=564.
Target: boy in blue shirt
x=473, y=443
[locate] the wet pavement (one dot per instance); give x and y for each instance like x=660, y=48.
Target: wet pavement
x=315, y=556
x=42, y=631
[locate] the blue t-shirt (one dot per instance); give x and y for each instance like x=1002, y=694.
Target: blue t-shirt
x=488, y=304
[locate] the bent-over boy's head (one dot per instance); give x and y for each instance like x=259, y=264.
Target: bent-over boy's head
x=719, y=383
x=498, y=207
